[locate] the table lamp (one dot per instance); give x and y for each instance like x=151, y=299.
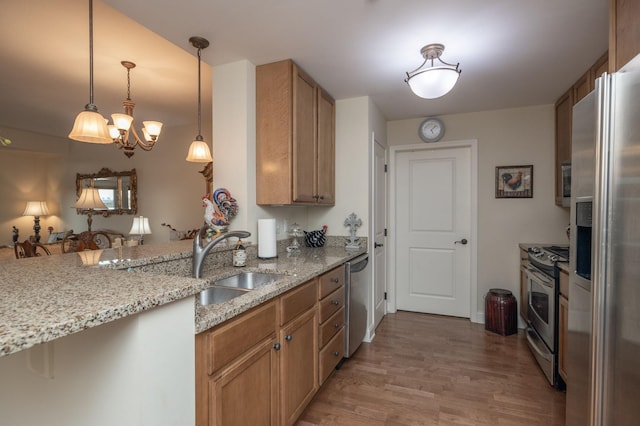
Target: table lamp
x=140, y=227
x=89, y=200
x=36, y=209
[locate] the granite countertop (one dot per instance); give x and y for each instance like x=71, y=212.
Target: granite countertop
x=50, y=297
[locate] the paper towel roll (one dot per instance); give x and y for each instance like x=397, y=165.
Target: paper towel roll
x=267, y=246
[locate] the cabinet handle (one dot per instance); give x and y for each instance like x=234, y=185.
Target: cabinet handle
x=336, y=325
x=276, y=346
x=316, y=197
x=322, y=197
x=336, y=280
x=335, y=302
x=336, y=353
x=288, y=337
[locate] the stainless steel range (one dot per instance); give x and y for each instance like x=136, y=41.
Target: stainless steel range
x=543, y=288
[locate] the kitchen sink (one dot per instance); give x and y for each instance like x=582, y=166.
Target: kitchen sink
x=217, y=295
x=248, y=280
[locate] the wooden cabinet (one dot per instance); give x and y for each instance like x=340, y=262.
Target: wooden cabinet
x=564, y=117
x=331, y=296
x=524, y=286
x=236, y=367
x=262, y=366
x=299, y=350
x=295, y=137
x=624, y=32
x=563, y=324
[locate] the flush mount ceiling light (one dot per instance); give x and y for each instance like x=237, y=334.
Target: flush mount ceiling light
x=119, y=130
x=436, y=80
x=90, y=126
x=199, y=151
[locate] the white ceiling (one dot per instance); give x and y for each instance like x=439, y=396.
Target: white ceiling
x=512, y=52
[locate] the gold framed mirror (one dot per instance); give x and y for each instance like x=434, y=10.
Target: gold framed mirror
x=118, y=191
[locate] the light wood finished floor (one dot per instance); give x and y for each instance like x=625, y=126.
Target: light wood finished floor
x=433, y=370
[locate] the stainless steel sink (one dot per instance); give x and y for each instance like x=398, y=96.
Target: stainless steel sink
x=248, y=280
x=216, y=295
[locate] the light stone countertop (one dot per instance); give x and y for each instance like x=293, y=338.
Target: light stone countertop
x=49, y=297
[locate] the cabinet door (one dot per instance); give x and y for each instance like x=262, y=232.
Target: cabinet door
x=247, y=392
x=304, y=134
x=564, y=108
x=563, y=331
x=326, y=149
x=299, y=365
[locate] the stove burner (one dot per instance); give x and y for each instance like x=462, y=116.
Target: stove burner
x=561, y=251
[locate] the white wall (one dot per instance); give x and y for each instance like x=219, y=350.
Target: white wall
x=517, y=136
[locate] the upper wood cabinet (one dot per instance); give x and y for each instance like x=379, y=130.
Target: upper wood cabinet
x=624, y=32
x=295, y=137
x=564, y=118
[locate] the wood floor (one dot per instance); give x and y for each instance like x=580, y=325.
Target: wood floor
x=433, y=370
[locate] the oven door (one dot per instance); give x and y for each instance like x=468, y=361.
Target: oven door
x=542, y=305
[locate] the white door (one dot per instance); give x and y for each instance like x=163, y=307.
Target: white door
x=433, y=226
x=380, y=224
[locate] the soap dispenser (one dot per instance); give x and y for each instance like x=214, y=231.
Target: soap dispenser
x=239, y=255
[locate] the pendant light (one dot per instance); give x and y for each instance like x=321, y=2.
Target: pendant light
x=90, y=126
x=199, y=151
x=434, y=81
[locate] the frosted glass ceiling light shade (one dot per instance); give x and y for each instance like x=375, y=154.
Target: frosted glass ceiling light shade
x=90, y=126
x=433, y=81
x=199, y=150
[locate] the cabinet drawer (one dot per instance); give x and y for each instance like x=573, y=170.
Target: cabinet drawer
x=238, y=336
x=331, y=281
x=330, y=327
x=298, y=300
x=330, y=304
x=331, y=355
x=564, y=284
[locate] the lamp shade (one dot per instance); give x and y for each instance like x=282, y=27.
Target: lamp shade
x=90, y=199
x=433, y=82
x=140, y=226
x=199, y=152
x=90, y=126
x=36, y=208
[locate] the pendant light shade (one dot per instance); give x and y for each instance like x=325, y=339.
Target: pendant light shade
x=433, y=81
x=90, y=126
x=199, y=151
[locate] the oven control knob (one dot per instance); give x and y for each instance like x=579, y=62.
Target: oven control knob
x=553, y=257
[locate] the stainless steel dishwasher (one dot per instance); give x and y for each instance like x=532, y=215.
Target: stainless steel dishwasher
x=357, y=284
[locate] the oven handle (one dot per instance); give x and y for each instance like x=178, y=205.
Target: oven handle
x=534, y=344
x=541, y=278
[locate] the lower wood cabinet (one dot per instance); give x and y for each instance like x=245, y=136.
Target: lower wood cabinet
x=260, y=368
x=331, y=299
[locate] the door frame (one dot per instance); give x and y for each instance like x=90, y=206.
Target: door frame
x=472, y=144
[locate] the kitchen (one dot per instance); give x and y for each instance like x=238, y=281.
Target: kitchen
x=512, y=136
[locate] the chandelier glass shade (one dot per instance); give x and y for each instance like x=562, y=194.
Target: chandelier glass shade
x=199, y=151
x=123, y=132
x=436, y=80
x=89, y=125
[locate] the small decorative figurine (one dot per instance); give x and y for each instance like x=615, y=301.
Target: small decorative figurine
x=296, y=232
x=219, y=212
x=353, y=223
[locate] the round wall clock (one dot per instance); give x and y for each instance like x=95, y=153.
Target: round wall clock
x=431, y=130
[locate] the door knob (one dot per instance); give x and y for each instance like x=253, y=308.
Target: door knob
x=462, y=241
x=376, y=245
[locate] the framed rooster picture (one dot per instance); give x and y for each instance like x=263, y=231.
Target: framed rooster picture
x=514, y=181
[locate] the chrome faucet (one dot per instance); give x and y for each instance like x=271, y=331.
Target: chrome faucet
x=200, y=252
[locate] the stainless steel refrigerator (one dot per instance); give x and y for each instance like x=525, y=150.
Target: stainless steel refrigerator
x=603, y=367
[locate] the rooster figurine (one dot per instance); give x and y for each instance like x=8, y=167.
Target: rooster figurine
x=513, y=182
x=213, y=217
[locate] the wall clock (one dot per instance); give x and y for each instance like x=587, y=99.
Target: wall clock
x=431, y=130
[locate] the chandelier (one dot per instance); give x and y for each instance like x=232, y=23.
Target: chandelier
x=436, y=80
x=123, y=132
